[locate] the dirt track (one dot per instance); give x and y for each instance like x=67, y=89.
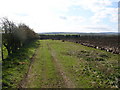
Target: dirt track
x=64, y=82
x=67, y=81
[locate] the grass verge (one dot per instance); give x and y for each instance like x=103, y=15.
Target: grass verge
x=15, y=66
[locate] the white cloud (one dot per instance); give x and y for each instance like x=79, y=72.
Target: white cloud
x=100, y=9
x=93, y=5
x=41, y=14
x=73, y=20
x=77, y=19
x=92, y=28
x=111, y=13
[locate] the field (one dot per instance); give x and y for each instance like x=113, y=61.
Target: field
x=108, y=42
x=57, y=64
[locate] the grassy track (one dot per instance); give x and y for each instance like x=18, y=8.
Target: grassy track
x=60, y=64
x=43, y=72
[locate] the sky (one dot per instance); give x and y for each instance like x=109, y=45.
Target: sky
x=63, y=15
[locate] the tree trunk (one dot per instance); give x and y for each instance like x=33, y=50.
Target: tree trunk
x=8, y=49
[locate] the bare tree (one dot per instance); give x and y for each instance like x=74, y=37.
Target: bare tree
x=15, y=36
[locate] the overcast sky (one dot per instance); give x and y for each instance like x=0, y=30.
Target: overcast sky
x=63, y=15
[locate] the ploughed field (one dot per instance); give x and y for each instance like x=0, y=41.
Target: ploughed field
x=108, y=43
x=58, y=64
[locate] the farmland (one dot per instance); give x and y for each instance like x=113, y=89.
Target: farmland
x=58, y=61
x=58, y=64
x=72, y=65
x=107, y=42
x=60, y=44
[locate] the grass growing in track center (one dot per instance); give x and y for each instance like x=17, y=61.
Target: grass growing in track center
x=15, y=66
x=43, y=72
x=86, y=67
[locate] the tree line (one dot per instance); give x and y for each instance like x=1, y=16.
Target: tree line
x=14, y=36
x=59, y=37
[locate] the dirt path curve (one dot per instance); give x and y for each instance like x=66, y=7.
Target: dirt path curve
x=67, y=81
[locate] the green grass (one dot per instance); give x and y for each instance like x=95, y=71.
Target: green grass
x=12, y=70
x=87, y=67
x=5, y=53
x=44, y=73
